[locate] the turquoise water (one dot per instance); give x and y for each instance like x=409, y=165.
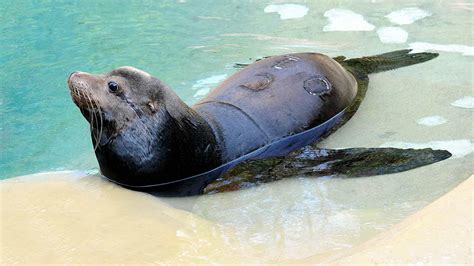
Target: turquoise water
x=182, y=42
x=43, y=41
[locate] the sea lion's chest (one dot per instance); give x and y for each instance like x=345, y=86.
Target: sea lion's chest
x=274, y=98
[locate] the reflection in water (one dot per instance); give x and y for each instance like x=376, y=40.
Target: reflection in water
x=287, y=11
x=392, y=35
x=346, y=20
x=407, y=15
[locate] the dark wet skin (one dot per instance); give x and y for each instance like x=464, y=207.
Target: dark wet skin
x=275, y=98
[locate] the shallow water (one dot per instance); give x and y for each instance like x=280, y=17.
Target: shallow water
x=192, y=45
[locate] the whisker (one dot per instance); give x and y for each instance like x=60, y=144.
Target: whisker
x=91, y=117
x=101, y=124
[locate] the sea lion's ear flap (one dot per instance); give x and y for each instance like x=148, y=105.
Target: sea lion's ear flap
x=153, y=106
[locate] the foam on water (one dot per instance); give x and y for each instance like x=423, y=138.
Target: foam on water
x=431, y=121
x=407, y=15
x=425, y=46
x=458, y=148
x=202, y=92
x=464, y=102
x=392, y=35
x=287, y=11
x=203, y=86
x=346, y=20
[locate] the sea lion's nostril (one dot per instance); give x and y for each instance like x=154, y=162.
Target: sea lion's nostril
x=78, y=74
x=77, y=81
x=72, y=74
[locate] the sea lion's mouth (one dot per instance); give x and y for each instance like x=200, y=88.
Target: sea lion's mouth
x=84, y=98
x=80, y=90
x=78, y=98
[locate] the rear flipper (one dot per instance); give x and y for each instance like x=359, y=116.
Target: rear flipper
x=376, y=63
x=354, y=162
x=384, y=62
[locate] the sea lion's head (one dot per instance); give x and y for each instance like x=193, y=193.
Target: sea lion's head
x=141, y=130
x=114, y=100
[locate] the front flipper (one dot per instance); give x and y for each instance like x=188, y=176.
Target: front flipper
x=310, y=162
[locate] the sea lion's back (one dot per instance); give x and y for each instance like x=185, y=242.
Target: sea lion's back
x=274, y=98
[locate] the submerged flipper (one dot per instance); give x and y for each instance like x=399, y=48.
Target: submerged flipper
x=311, y=162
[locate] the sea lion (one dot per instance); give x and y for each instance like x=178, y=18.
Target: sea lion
x=145, y=136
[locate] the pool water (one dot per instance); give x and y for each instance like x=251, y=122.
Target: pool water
x=192, y=46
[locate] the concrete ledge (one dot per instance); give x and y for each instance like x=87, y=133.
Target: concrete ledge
x=441, y=233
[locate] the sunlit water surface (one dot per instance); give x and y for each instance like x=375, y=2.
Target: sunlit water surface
x=192, y=46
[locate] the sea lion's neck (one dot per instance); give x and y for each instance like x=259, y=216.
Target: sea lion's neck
x=173, y=143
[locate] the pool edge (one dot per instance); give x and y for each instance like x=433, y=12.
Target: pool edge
x=441, y=232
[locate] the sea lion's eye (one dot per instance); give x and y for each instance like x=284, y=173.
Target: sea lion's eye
x=113, y=86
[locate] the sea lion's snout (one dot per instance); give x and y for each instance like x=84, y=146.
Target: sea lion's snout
x=80, y=85
x=72, y=74
x=78, y=80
